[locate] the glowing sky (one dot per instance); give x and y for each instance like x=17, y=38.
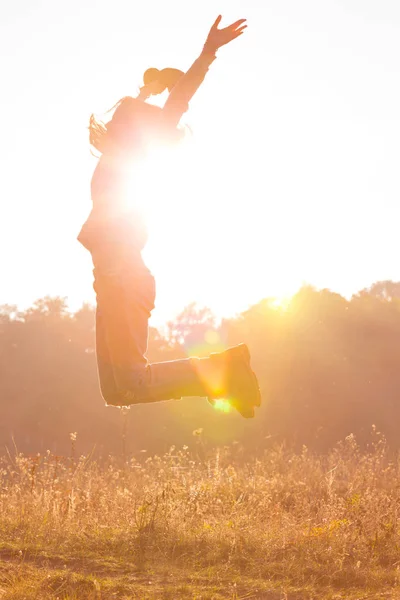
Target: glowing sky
x=292, y=172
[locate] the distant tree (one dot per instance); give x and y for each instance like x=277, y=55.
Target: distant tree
x=191, y=326
x=385, y=290
x=327, y=367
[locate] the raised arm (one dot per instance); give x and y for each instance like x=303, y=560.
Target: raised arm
x=184, y=90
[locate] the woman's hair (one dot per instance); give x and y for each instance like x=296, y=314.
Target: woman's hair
x=167, y=77
x=128, y=109
x=97, y=134
x=98, y=129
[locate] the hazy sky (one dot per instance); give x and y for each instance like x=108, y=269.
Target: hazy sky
x=292, y=172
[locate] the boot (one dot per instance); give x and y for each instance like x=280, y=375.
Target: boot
x=225, y=375
x=241, y=385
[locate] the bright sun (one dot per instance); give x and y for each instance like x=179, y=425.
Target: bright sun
x=155, y=186
x=199, y=242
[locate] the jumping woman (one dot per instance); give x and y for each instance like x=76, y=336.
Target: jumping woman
x=124, y=286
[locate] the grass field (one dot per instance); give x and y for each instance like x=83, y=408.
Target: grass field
x=202, y=525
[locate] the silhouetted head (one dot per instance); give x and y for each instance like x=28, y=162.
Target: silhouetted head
x=135, y=122
x=166, y=78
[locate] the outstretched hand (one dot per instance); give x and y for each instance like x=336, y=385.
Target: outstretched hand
x=220, y=37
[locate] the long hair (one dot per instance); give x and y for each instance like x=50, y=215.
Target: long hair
x=98, y=129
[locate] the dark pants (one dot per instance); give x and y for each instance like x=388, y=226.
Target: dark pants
x=125, y=298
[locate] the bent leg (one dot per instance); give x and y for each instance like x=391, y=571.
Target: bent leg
x=105, y=371
x=124, y=305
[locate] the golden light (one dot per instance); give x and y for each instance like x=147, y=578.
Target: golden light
x=156, y=184
x=191, y=219
x=212, y=338
x=222, y=405
x=282, y=302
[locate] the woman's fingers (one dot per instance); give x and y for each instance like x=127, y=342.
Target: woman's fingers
x=219, y=37
x=232, y=35
x=217, y=22
x=236, y=24
x=241, y=29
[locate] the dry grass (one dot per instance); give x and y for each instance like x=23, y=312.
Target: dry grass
x=177, y=526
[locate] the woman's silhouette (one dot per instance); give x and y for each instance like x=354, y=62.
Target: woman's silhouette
x=125, y=288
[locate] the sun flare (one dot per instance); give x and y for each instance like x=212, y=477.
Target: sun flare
x=154, y=186
x=222, y=405
x=198, y=228
x=281, y=302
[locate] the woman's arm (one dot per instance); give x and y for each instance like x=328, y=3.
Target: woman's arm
x=181, y=94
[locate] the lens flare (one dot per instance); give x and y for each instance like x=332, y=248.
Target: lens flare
x=212, y=338
x=282, y=302
x=222, y=405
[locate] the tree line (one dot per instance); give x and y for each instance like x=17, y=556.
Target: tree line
x=328, y=367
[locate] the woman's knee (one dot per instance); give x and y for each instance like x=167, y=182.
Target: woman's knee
x=128, y=387
x=120, y=398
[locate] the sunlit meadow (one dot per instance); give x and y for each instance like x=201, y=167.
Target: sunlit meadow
x=201, y=524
